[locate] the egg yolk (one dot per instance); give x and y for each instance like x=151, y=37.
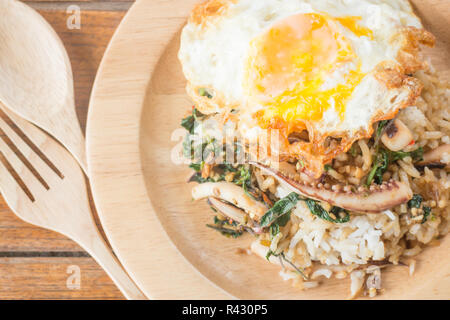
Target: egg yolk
x=289, y=64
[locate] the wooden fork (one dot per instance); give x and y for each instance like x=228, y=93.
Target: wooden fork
x=43, y=184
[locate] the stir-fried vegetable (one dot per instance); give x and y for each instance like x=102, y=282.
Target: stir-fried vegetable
x=279, y=215
x=189, y=122
x=426, y=214
x=416, y=155
x=283, y=258
x=416, y=202
x=384, y=158
x=204, y=93
x=317, y=210
x=219, y=225
x=380, y=166
x=281, y=207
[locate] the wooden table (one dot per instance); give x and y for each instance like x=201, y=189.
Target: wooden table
x=37, y=263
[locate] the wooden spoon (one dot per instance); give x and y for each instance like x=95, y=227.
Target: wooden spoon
x=36, y=79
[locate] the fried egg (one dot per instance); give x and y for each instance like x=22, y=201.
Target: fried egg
x=327, y=68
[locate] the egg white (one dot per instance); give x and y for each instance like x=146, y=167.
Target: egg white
x=213, y=56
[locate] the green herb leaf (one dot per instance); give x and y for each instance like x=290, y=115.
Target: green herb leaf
x=280, y=222
x=283, y=257
x=204, y=93
x=327, y=167
x=196, y=166
x=317, y=210
x=353, y=150
x=415, y=202
x=381, y=126
x=301, y=163
x=219, y=226
x=269, y=254
x=283, y=220
x=385, y=157
x=189, y=122
x=380, y=166
x=274, y=229
x=280, y=208
x=226, y=231
x=197, y=177
x=426, y=214
x=416, y=155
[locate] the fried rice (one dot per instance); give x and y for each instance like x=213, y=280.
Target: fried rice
x=310, y=248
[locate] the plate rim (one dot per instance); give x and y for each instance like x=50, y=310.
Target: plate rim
x=110, y=94
x=106, y=170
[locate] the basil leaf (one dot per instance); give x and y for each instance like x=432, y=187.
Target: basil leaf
x=269, y=254
x=225, y=231
x=426, y=214
x=189, y=122
x=196, y=166
x=379, y=168
x=280, y=208
x=416, y=155
x=274, y=229
x=219, y=226
x=197, y=177
x=204, y=93
x=317, y=210
x=381, y=126
x=353, y=150
x=283, y=257
x=415, y=202
x=280, y=222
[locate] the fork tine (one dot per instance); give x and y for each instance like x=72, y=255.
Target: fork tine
x=20, y=170
x=22, y=130
x=11, y=185
x=31, y=156
x=21, y=149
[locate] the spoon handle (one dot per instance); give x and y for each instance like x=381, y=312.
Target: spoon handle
x=91, y=240
x=66, y=129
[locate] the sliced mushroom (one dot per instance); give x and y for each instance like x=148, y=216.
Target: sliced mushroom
x=236, y=214
x=228, y=210
x=433, y=158
x=231, y=193
x=397, y=136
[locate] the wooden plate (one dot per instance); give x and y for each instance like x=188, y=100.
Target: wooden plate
x=145, y=205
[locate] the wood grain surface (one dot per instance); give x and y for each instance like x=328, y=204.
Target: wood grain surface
x=34, y=262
